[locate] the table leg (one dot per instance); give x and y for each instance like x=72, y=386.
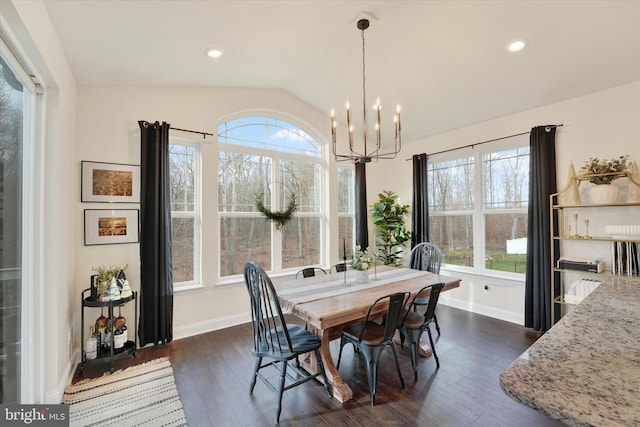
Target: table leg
x=424, y=349
x=340, y=389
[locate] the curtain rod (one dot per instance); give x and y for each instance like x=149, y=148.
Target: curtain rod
x=204, y=134
x=546, y=128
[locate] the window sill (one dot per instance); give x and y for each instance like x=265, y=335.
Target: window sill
x=512, y=277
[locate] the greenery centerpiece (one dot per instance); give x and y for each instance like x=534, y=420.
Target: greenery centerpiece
x=388, y=216
x=279, y=217
x=361, y=261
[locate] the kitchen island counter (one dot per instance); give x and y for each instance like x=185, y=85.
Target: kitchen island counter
x=586, y=369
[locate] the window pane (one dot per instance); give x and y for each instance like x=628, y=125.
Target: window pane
x=506, y=179
x=454, y=236
x=12, y=115
x=506, y=242
x=346, y=188
x=242, y=240
x=182, y=232
x=451, y=185
x=303, y=180
x=241, y=178
x=182, y=166
x=301, y=242
x=268, y=133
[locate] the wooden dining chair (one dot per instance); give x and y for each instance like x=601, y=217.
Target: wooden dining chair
x=412, y=325
x=276, y=341
x=371, y=337
x=426, y=256
x=310, y=272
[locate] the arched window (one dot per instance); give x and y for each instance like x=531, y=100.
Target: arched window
x=268, y=160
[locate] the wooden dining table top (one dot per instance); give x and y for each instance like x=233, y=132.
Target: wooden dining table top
x=326, y=301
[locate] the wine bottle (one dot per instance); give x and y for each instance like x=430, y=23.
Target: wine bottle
x=98, y=336
x=91, y=347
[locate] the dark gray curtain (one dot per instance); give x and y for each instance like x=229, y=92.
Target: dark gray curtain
x=362, y=232
x=420, y=212
x=542, y=183
x=156, y=271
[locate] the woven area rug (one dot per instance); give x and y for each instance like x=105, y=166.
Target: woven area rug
x=144, y=394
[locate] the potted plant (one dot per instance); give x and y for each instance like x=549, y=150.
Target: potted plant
x=361, y=261
x=602, y=173
x=392, y=234
x=106, y=275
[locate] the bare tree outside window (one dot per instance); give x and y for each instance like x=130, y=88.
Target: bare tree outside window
x=275, y=160
x=457, y=204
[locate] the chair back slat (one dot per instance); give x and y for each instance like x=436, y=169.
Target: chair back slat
x=434, y=295
x=268, y=324
x=426, y=257
x=396, y=304
x=433, y=301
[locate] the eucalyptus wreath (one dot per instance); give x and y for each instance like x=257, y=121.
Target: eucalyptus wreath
x=280, y=217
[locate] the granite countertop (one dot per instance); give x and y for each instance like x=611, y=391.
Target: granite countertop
x=585, y=371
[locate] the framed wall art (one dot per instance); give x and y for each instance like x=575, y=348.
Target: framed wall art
x=110, y=182
x=110, y=226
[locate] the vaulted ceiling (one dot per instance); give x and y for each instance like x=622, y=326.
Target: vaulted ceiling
x=444, y=62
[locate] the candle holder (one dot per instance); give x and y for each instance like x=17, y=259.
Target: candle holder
x=586, y=226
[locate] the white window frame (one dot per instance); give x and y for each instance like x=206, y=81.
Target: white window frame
x=479, y=212
x=32, y=268
x=196, y=215
x=276, y=156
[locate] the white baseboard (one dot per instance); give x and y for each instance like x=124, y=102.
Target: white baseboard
x=497, y=313
x=210, y=325
x=55, y=396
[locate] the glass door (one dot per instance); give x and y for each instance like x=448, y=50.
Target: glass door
x=12, y=112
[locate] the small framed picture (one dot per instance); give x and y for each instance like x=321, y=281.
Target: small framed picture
x=110, y=182
x=110, y=226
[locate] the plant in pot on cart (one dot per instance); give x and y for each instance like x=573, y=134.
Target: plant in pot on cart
x=361, y=261
x=106, y=277
x=603, y=173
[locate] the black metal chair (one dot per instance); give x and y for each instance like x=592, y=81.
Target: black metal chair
x=339, y=268
x=426, y=257
x=309, y=272
x=371, y=338
x=412, y=325
x=273, y=339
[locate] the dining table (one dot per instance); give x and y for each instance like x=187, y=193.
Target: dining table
x=328, y=303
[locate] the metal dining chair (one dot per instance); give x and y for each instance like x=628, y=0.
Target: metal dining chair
x=309, y=272
x=426, y=257
x=276, y=341
x=339, y=268
x=371, y=338
x=412, y=325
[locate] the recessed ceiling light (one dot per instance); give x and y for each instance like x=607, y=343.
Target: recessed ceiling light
x=214, y=53
x=516, y=45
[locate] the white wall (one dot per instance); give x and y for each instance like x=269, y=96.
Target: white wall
x=108, y=131
x=605, y=124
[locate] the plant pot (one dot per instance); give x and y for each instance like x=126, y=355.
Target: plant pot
x=362, y=276
x=604, y=194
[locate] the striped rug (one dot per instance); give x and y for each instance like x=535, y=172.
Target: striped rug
x=144, y=394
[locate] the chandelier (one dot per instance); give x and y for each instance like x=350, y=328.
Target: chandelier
x=366, y=151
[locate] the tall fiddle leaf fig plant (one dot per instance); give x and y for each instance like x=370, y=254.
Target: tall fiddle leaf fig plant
x=388, y=216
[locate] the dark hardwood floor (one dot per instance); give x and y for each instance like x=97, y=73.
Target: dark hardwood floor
x=213, y=370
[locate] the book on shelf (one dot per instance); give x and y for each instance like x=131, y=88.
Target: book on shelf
x=625, y=258
x=592, y=266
